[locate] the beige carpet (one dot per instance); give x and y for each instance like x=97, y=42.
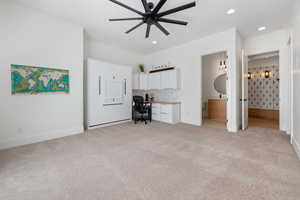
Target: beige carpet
x=154, y=162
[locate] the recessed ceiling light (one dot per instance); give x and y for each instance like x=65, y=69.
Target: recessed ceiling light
x=154, y=42
x=231, y=11
x=262, y=28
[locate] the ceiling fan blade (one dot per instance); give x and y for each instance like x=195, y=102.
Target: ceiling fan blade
x=171, y=21
x=146, y=6
x=174, y=10
x=140, y=24
x=148, y=30
x=159, y=6
x=127, y=7
x=160, y=27
x=126, y=19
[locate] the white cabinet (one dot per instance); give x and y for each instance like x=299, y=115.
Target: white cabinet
x=136, y=82
x=154, y=81
x=174, y=79
x=156, y=112
x=109, y=93
x=170, y=79
x=140, y=81
x=168, y=113
x=165, y=80
x=143, y=81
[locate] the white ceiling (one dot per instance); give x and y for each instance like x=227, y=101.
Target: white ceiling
x=208, y=17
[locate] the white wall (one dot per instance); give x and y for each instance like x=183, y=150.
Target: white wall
x=100, y=51
x=29, y=37
x=276, y=41
x=187, y=57
x=296, y=76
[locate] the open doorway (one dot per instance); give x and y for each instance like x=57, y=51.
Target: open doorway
x=263, y=90
x=214, y=89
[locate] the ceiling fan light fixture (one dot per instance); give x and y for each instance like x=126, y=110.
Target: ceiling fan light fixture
x=154, y=42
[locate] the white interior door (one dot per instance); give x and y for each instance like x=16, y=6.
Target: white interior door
x=245, y=103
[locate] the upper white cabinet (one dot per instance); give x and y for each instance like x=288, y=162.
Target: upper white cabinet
x=140, y=81
x=159, y=80
x=136, y=82
x=169, y=79
x=144, y=81
x=154, y=81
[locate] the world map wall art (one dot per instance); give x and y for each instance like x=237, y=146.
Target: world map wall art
x=36, y=80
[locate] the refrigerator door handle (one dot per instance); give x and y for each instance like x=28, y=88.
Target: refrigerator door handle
x=100, y=89
x=125, y=85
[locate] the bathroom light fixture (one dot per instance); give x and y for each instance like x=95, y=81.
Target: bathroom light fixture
x=263, y=28
x=231, y=11
x=249, y=75
x=267, y=74
x=154, y=42
x=223, y=63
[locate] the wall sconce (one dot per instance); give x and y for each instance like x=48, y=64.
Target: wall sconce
x=249, y=75
x=267, y=74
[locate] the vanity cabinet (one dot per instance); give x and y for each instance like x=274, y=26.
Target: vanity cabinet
x=217, y=109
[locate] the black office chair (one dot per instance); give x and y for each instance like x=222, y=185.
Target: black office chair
x=141, y=109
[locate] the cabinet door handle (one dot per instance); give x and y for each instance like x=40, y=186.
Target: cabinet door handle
x=164, y=113
x=100, y=89
x=125, y=85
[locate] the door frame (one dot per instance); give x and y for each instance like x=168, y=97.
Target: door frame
x=228, y=88
x=245, y=91
x=280, y=82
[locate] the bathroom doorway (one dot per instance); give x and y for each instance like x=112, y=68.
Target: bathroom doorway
x=214, y=89
x=263, y=90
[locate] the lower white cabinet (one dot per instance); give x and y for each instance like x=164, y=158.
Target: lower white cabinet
x=168, y=113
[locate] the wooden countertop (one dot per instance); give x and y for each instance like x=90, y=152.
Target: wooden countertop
x=165, y=102
x=217, y=99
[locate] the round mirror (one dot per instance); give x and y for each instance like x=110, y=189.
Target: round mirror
x=220, y=84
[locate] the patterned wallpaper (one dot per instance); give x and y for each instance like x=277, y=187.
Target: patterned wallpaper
x=264, y=92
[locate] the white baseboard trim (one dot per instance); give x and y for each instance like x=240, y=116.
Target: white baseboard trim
x=109, y=124
x=30, y=139
x=296, y=146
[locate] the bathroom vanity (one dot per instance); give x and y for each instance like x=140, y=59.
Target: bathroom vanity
x=217, y=109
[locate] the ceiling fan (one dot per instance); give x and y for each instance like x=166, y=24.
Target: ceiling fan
x=152, y=16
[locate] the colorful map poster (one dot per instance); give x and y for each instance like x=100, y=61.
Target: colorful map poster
x=35, y=80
